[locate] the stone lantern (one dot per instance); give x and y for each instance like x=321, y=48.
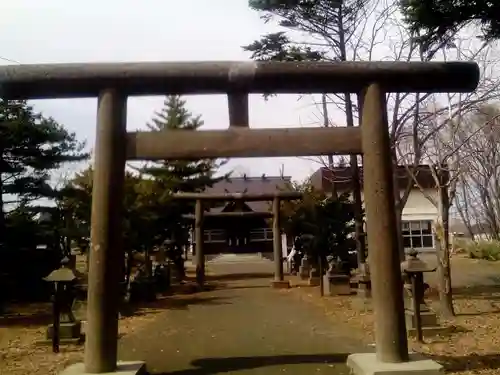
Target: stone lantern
x=419, y=317
x=65, y=328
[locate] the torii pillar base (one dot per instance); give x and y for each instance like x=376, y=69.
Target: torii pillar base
x=368, y=364
x=122, y=368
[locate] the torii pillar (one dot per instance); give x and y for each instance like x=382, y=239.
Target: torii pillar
x=279, y=278
x=199, y=251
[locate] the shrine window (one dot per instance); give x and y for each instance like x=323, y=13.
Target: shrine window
x=261, y=234
x=214, y=236
x=418, y=234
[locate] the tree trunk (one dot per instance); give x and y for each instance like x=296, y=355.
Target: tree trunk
x=444, y=280
x=326, y=124
x=399, y=203
x=2, y=215
x=147, y=263
x=399, y=231
x=443, y=256
x=353, y=162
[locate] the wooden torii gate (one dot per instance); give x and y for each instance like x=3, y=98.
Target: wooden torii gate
x=279, y=281
x=113, y=83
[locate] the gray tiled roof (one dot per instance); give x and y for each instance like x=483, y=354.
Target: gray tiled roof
x=323, y=177
x=251, y=185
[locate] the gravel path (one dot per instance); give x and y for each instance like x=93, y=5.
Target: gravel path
x=242, y=327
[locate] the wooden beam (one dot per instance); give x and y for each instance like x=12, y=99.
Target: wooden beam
x=47, y=81
x=241, y=142
x=283, y=195
x=233, y=214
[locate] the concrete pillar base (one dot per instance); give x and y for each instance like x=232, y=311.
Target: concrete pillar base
x=123, y=368
x=283, y=284
x=367, y=364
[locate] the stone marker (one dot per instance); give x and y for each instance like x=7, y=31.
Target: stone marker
x=364, y=282
x=305, y=268
x=336, y=283
x=314, y=277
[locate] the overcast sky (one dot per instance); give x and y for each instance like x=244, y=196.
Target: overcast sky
x=62, y=31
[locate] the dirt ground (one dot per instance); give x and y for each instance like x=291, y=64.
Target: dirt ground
x=241, y=326
x=473, y=347
x=472, y=343
x=20, y=334
x=25, y=326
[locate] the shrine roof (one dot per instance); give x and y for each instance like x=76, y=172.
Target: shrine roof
x=322, y=179
x=251, y=185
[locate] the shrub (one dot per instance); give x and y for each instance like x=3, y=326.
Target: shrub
x=460, y=245
x=487, y=250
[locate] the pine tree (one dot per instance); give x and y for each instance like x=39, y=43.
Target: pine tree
x=436, y=22
x=178, y=175
x=31, y=146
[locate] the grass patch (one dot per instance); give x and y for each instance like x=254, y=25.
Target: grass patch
x=482, y=249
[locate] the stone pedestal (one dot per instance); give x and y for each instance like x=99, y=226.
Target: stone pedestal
x=69, y=333
x=364, y=286
x=428, y=318
x=368, y=364
x=303, y=272
x=430, y=325
x=336, y=285
x=70, y=330
x=314, y=277
x=304, y=269
x=123, y=368
x=280, y=284
x=314, y=281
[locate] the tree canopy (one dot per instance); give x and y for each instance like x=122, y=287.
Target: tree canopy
x=178, y=175
x=327, y=220
x=437, y=21
x=31, y=147
x=330, y=23
x=151, y=215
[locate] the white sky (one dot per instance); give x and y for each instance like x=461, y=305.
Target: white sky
x=62, y=31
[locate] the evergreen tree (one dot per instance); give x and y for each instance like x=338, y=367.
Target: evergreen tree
x=327, y=221
x=436, y=22
x=181, y=175
x=31, y=146
x=171, y=176
x=331, y=22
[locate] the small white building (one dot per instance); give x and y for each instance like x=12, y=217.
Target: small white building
x=419, y=213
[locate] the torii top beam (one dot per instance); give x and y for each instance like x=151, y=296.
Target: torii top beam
x=47, y=81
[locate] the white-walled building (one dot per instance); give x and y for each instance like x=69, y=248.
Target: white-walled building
x=419, y=213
